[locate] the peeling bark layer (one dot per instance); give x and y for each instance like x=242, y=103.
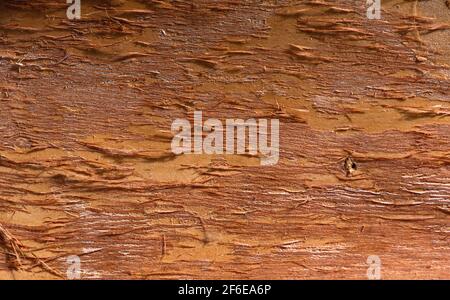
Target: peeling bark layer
x=86, y=167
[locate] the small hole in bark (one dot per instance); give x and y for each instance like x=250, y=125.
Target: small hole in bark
x=59, y=178
x=350, y=166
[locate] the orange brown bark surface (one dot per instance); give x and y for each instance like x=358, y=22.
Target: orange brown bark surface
x=85, y=161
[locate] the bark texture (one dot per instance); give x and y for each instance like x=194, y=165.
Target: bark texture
x=85, y=161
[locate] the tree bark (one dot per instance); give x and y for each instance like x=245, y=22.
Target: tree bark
x=86, y=166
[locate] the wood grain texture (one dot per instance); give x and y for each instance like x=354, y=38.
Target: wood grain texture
x=86, y=167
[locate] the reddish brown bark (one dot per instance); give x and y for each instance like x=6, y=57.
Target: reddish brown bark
x=86, y=167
